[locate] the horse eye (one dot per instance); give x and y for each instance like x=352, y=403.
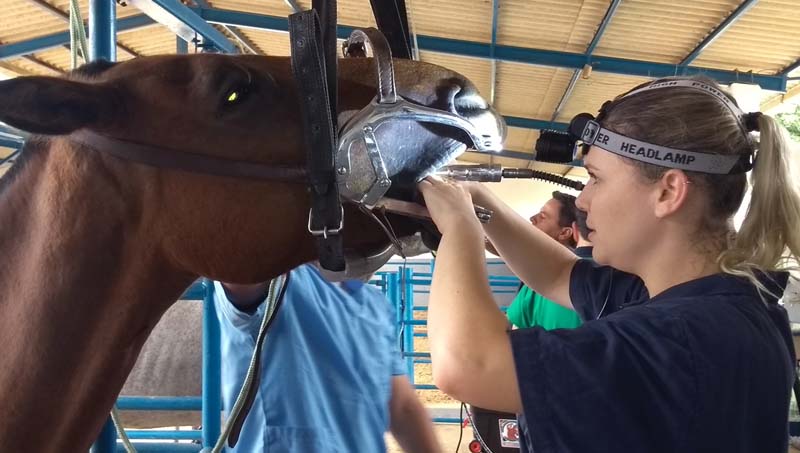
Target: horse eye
x=236, y=96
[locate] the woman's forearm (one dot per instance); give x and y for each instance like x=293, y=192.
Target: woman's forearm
x=470, y=348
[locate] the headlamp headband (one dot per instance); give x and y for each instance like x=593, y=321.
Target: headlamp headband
x=587, y=129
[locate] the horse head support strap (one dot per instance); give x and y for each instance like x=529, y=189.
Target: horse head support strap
x=311, y=70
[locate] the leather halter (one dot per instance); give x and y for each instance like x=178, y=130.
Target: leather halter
x=173, y=159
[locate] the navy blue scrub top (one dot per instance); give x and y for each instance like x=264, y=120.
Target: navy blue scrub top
x=705, y=366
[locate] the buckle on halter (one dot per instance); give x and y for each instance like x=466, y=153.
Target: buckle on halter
x=325, y=231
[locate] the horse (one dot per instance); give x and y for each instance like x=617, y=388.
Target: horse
x=97, y=247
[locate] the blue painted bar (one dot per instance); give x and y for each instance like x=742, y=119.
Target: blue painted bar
x=184, y=22
x=447, y=420
x=530, y=123
x=181, y=47
x=424, y=355
x=415, y=322
x=426, y=387
x=10, y=143
x=149, y=434
x=790, y=68
x=107, y=440
x=518, y=54
x=170, y=447
x=103, y=33
x=62, y=38
x=717, y=32
x=212, y=404
x=408, y=313
x=160, y=403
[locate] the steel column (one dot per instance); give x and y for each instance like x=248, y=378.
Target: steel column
x=103, y=30
x=212, y=362
x=107, y=440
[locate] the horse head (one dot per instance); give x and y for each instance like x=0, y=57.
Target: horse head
x=243, y=109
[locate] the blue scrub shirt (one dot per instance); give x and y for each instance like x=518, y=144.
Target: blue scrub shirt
x=705, y=366
x=327, y=366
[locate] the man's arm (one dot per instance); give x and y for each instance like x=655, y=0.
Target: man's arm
x=409, y=420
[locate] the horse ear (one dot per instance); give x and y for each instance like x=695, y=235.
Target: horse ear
x=53, y=106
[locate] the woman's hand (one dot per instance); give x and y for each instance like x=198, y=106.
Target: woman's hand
x=450, y=205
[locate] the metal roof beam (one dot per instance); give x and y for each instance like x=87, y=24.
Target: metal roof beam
x=717, y=32
x=184, y=22
x=41, y=43
x=539, y=57
x=790, y=68
x=610, y=12
x=529, y=123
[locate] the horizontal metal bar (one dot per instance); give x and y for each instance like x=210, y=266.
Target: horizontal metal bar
x=159, y=403
x=445, y=420
x=415, y=322
x=425, y=355
x=41, y=43
x=171, y=447
x=184, y=22
x=539, y=57
x=425, y=387
x=149, y=434
x=9, y=143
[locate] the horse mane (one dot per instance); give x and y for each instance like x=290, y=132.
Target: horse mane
x=32, y=147
x=91, y=70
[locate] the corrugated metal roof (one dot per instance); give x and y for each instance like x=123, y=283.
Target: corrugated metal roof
x=764, y=40
x=660, y=31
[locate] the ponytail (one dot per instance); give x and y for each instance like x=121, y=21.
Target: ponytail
x=769, y=238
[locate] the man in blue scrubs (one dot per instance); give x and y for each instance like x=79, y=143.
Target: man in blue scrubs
x=332, y=378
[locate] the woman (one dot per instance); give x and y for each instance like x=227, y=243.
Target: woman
x=695, y=356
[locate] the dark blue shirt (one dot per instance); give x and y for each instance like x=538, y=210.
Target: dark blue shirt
x=704, y=366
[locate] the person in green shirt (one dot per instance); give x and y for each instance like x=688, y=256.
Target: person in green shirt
x=562, y=221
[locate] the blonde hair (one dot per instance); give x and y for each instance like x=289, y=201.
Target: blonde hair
x=683, y=118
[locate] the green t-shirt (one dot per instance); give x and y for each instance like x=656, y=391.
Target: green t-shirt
x=529, y=309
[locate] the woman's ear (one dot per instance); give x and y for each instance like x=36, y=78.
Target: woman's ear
x=672, y=192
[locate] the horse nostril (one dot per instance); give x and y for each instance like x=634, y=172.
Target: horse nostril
x=466, y=101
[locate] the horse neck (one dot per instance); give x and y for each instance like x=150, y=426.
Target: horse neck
x=82, y=289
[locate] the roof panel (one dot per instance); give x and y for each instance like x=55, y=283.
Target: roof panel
x=153, y=40
x=22, y=19
x=520, y=139
x=662, y=32
x=451, y=19
x=549, y=24
x=529, y=91
x=765, y=39
x=589, y=94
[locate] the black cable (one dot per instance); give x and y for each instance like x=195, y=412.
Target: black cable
x=528, y=173
x=461, y=426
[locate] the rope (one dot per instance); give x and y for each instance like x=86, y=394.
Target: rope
x=77, y=35
x=272, y=304
x=269, y=313
x=126, y=442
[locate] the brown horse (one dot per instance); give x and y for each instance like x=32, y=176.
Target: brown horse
x=95, y=248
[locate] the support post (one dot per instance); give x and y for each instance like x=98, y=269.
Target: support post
x=107, y=440
x=103, y=30
x=212, y=405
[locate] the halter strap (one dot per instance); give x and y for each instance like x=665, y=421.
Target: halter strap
x=190, y=162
